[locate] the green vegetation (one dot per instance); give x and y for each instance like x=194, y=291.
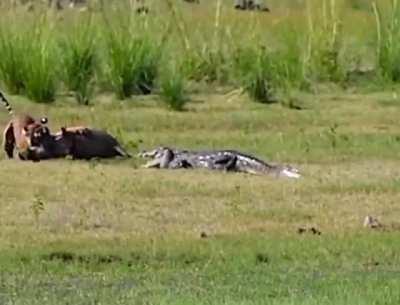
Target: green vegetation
x=325, y=39
x=29, y=58
x=13, y=50
x=173, y=88
x=222, y=270
x=132, y=63
x=79, y=62
x=257, y=70
x=110, y=232
x=40, y=70
x=388, y=45
x=108, y=48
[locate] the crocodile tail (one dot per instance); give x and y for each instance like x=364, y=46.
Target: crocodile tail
x=6, y=103
x=290, y=173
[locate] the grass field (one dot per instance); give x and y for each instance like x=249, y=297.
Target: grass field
x=111, y=233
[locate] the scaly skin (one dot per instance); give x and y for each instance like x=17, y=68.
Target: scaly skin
x=227, y=160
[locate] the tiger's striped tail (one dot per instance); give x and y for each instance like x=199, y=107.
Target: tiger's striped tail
x=6, y=103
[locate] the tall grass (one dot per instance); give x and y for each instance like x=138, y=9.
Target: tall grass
x=268, y=73
x=13, y=50
x=254, y=69
x=325, y=41
x=29, y=59
x=388, y=41
x=79, y=61
x=209, y=58
x=267, y=57
x=41, y=64
x=207, y=64
x=290, y=59
x=132, y=60
x=172, y=87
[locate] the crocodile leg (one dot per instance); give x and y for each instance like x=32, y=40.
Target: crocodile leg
x=163, y=161
x=178, y=163
x=227, y=162
x=166, y=158
x=231, y=164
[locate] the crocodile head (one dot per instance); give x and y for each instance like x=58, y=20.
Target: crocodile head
x=155, y=153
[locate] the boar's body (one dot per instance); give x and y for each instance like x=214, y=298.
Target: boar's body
x=77, y=142
x=91, y=143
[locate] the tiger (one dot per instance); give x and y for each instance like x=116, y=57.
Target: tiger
x=19, y=131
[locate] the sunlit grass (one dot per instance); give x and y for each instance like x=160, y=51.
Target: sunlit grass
x=286, y=50
x=110, y=232
x=79, y=61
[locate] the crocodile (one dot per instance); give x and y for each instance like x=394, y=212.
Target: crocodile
x=226, y=160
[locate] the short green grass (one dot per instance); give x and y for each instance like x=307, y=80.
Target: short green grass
x=110, y=232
